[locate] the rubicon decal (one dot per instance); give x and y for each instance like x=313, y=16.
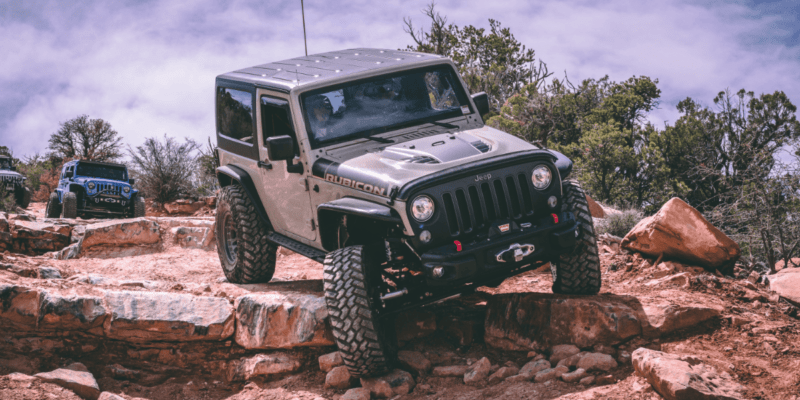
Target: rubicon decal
x=366, y=187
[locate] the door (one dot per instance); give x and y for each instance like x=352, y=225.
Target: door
x=283, y=183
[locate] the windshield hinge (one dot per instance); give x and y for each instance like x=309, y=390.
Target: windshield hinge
x=305, y=183
x=313, y=225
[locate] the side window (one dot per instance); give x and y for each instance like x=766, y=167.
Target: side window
x=276, y=120
x=235, y=114
x=440, y=91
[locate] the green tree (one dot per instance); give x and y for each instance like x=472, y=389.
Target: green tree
x=86, y=139
x=165, y=170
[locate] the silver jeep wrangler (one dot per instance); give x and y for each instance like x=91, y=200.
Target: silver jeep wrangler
x=378, y=164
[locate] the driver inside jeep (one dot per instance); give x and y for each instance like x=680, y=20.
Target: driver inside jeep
x=321, y=114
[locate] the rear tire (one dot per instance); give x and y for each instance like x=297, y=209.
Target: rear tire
x=351, y=280
x=578, y=272
x=138, y=207
x=244, y=252
x=53, y=209
x=70, y=206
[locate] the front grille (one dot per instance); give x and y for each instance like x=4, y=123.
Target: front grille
x=11, y=179
x=109, y=189
x=478, y=205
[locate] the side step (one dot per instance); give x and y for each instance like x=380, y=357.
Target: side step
x=297, y=247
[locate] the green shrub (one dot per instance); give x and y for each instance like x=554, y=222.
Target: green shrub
x=619, y=224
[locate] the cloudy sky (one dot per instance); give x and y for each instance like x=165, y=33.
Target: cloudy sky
x=148, y=67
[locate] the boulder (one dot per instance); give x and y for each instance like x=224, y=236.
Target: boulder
x=533, y=321
x=597, y=362
x=154, y=316
x=395, y=383
x=793, y=263
x=80, y=382
x=678, y=231
x=356, y=394
x=786, y=284
x=339, y=378
x=414, y=361
x=281, y=321
x=121, y=238
x=665, y=317
x=263, y=365
x=533, y=367
x=330, y=361
x=194, y=237
x=595, y=209
x=478, y=371
x=183, y=206
x=562, y=351
x=675, y=378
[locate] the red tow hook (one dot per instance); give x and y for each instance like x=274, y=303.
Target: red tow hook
x=458, y=245
x=555, y=218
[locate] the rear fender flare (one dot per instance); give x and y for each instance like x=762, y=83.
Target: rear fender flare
x=230, y=175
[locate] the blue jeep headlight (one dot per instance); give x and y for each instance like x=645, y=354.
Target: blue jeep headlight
x=90, y=185
x=126, y=189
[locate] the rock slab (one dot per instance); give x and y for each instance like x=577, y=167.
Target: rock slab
x=277, y=321
x=675, y=378
x=678, y=231
x=121, y=238
x=787, y=284
x=80, y=382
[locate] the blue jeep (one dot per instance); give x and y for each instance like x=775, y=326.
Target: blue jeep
x=95, y=189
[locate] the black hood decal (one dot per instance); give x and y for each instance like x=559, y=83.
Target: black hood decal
x=334, y=172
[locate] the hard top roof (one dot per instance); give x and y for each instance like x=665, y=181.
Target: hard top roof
x=3, y=156
x=317, y=68
x=105, y=164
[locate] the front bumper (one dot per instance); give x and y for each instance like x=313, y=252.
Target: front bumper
x=498, y=256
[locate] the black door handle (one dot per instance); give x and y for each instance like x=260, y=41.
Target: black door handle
x=266, y=165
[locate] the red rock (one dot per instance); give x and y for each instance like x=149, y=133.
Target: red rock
x=121, y=238
x=194, y=237
x=677, y=379
x=501, y=374
x=574, y=376
x=414, y=361
x=356, y=394
x=415, y=324
x=533, y=321
x=330, y=361
x=597, y=362
x=793, y=263
x=264, y=365
x=183, y=206
x=562, y=351
x=550, y=374
x=594, y=208
x=678, y=231
x=392, y=384
x=787, y=284
x=80, y=382
x=19, y=306
x=533, y=367
x=279, y=321
x=339, y=378
x=450, y=371
x=667, y=318
x=478, y=372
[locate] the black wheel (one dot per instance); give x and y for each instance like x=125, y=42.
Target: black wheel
x=138, y=207
x=53, y=209
x=578, y=272
x=24, y=197
x=69, y=205
x=352, y=281
x=244, y=252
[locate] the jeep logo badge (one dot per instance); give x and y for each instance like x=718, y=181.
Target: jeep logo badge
x=483, y=177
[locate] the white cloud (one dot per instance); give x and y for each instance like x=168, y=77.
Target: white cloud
x=149, y=67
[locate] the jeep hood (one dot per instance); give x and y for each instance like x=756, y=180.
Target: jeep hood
x=378, y=169
x=10, y=174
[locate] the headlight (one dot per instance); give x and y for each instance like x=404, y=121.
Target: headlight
x=422, y=208
x=90, y=185
x=541, y=177
x=126, y=189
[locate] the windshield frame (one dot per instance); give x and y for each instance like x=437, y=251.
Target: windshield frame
x=122, y=168
x=461, y=94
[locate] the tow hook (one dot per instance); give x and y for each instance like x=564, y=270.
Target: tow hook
x=517, y=251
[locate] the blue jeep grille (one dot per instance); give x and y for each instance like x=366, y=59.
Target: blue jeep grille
x=109, y=189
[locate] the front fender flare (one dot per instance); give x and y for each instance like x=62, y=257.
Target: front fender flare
x=231, y=174
x=327, y=214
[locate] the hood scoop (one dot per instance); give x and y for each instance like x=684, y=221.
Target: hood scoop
x=481, y=146
x=423, y=160
x=436, y=149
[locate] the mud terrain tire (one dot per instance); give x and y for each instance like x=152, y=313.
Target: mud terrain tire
x=24, y=198
x=138, y=207
x=578, y=272
x=244, y=252
x=53, y=209
x=351, y=278
x=69, y=206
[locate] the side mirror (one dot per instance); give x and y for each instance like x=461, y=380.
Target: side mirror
x=280, y=148
x=68, y=174
x=481, y=101
x=132, y=181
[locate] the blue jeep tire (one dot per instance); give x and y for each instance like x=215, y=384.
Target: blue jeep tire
x=69, y=206
x=53, y=209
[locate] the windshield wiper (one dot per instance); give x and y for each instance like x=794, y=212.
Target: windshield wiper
x=444, y=124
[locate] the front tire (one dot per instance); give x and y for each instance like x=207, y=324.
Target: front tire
x=53, y=209
x=69, y=206
x=578, y=272
x=351, y=281
x=244, y=252
x=138, y=207
x=24, y=198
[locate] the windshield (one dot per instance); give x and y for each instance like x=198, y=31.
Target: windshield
x=102, y=171
x=376, y=105
x=5, y=163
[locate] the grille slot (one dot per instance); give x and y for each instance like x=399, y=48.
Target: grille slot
x=477, y=206
x=109, y=188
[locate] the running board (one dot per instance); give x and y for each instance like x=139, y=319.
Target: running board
x=297, y=247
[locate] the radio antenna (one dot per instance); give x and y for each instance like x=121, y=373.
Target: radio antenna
x=303, y=12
